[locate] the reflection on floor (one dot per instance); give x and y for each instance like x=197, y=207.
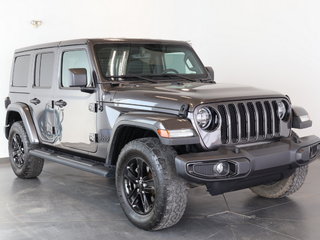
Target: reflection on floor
x=64, y=203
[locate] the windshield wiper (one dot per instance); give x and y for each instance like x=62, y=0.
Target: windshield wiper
x=207, y=80
x=133, y=76
x=174, y=75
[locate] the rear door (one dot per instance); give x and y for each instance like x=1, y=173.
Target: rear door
x=40, y=99
x=77, y=124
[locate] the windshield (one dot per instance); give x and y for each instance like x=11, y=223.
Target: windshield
x=150, y=60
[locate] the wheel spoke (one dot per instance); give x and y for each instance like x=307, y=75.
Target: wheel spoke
x=14, y=153
x=149, y=189
x=130, y=176
x=149, y=186
x=15, y=142
x=145, y=203
x=21, y=159
x=134, y=197
x=134, y=191
x=140, y=167
x=149, y=182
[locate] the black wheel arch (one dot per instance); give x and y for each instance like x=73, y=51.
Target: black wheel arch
x=124, y=134
x=21, y=112
x=134, y=125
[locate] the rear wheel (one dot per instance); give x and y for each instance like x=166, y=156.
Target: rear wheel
x=151, y=194
x=23, y=165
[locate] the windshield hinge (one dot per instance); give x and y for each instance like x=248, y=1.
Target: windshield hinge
x=183, y=112
x=93, y=107
x=94, y=137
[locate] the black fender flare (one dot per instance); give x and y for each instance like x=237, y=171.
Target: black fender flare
x=300, y=118
x=152, y=122
x=26, y=117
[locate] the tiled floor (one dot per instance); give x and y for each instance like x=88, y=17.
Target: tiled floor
x=64, y=203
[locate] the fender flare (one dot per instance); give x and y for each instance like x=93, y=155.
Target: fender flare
x=151, y=122
x=26, y=117
x=300, y=118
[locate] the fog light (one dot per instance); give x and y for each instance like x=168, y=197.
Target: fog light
x=221, y=168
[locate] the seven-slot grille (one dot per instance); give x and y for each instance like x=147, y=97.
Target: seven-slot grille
x=249, y=121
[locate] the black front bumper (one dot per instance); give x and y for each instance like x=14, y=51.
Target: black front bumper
x=248, y=165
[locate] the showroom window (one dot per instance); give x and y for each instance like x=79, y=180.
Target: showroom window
x=44, y=70
x=21, y=71
x=74, y=59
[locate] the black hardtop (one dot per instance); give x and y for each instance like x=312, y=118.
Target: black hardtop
x=99, y=41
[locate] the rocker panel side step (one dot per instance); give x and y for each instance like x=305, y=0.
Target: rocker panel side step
x=72, y=161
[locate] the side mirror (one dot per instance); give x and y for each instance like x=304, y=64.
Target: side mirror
x=211, y=72
x=78, y=77
x=88, y=90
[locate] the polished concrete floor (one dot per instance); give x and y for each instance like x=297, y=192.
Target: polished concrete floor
x=65, y=203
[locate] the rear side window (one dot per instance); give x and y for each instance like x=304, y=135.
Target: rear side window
x=44, y=70
x=21, y=71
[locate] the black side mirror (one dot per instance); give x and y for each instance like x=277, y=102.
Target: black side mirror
x=88, y=90
x=210, y=72
x=78, y=77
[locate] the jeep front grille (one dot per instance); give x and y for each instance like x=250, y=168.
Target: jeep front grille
x=249, y=121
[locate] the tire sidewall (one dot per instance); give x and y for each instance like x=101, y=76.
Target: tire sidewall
x=17, y=128
x=151, y=219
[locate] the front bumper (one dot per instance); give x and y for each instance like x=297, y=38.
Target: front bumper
x=254, y=164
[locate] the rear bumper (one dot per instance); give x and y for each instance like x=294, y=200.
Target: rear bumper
x=248, y=163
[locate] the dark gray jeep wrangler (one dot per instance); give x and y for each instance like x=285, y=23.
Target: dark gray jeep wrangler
x=149, y=113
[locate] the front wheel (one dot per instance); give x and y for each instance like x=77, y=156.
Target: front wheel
x=150, y=193
x=284, y=187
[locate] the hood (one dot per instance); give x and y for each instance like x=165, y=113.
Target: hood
x=172, y=96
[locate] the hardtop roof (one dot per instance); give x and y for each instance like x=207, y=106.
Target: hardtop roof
x=99, y=41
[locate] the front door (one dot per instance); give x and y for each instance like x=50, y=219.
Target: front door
x=76, y=122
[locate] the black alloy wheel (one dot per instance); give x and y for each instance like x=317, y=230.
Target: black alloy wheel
x=139, y=186
x=17, y=151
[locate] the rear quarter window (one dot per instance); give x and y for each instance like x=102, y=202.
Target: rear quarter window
x=21, y=71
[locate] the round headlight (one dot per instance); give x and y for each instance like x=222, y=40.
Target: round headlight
x=207, y=118
x=204, y=117
x=282, y=110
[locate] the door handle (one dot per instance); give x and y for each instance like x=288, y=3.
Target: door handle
x=35, y=101
x=60, y=103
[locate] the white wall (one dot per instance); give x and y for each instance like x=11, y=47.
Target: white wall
x=272, y=44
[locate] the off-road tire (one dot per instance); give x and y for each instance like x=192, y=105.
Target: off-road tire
x=287, y=186
x=284, y=187
x=170, y=190
x=32, y=166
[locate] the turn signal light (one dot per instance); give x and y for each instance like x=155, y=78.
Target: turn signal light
x=175, y=133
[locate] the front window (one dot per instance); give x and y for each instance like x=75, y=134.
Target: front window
x=150, y=60
x=74, y=59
